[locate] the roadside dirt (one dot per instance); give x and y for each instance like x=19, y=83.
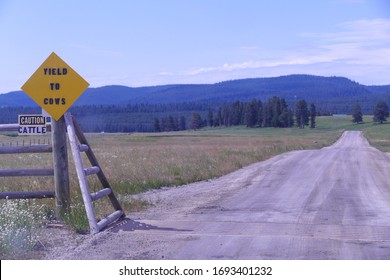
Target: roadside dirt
x=332, y=203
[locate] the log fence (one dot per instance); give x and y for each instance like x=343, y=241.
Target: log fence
x=22, y=147
x=79, y=144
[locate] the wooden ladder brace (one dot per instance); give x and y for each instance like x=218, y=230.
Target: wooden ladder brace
x=79, y=144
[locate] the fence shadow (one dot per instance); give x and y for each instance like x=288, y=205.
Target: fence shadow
x=131, y=225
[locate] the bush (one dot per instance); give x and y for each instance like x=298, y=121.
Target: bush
x=20, y=225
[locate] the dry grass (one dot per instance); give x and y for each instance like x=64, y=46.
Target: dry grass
x=20, y=161
x=137, y=162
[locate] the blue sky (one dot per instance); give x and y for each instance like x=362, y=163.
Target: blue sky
x=154, y=42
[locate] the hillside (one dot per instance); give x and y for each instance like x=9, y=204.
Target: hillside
x=120, y=108
x=332, y=92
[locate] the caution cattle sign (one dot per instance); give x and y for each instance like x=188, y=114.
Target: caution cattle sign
x=32, y=125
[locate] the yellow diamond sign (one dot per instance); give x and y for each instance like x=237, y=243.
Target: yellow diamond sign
x=55, y=86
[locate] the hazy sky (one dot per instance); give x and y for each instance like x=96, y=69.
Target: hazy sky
x=154, y=42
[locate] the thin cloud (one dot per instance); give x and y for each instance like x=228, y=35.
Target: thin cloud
x=361, y=42
x=164, y=73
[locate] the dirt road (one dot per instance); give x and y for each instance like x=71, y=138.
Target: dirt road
x=332, y=203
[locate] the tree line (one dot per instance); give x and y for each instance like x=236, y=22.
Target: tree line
x=170, y=123
x=275, y=112
x=380, y=114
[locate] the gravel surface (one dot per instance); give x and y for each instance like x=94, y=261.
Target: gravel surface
x=332, y=203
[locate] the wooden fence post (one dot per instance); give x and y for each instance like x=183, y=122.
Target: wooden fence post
x=60, y=163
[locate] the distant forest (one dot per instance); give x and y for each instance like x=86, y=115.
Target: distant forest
x=171, y=107
x=274, y=112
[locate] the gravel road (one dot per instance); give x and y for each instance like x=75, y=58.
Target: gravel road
x=332, y=203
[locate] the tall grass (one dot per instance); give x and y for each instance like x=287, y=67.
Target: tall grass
x=138, y=162
x=76, y=217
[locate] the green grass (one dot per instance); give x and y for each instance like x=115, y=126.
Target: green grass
x=377, y=134
x=76, y=218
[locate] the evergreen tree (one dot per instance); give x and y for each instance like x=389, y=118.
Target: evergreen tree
x=284, y=116
x=196, y=121
x=218, y=120
x=268, y=114
x=302, y=114
x=313, y=114
x=357, y=115
x=236, y=115
x=171, y=124
x=164, y=124
x=156, y=125
x=210, y=118
x=276, y=111
x=251, y=113
x=260, y=115
x=226, y=115
x=290, y=118
x=182, y=123
x=176, y=122
x=381, y=112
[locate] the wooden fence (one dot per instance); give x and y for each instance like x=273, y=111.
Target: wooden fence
x=78, y=142
x=25, y=142
x=20, y=147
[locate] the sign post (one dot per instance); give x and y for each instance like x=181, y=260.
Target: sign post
x=60, y=166
x=55, y=86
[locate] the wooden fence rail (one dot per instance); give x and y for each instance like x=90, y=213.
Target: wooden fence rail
x=26, y=149
x=15, y=127
x=35, y=140
x=9, y=127
x=25, y=172
x=25, y=195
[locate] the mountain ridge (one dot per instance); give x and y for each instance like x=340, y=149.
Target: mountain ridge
x=291, y=87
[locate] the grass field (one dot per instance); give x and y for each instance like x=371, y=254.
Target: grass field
x=137, y=162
